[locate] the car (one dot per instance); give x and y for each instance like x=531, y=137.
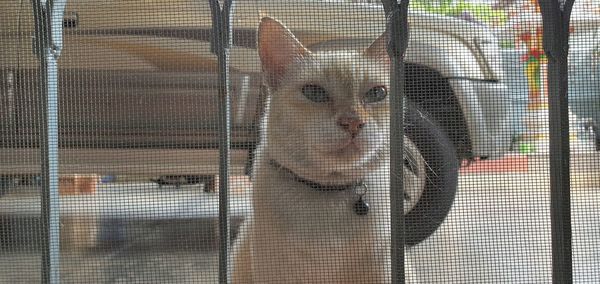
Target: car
x=584, y=74
x=138, y=80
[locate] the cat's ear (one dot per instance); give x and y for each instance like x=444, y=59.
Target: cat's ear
x=278, y=48
x=378, y=48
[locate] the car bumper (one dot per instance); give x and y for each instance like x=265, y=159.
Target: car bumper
x=488, y=112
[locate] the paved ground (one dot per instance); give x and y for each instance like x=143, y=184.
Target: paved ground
x=497, y=232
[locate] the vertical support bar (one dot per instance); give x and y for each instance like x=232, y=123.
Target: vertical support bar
x=50, y=196
x=47, y=45
x=221, y=41
x=398, y=42
x=556, y=17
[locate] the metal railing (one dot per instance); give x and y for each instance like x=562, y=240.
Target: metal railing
x=47, y=45
x=556, y=15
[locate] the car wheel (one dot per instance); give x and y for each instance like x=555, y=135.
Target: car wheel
x=431, y=162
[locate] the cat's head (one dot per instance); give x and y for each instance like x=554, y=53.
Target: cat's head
x=327, y=115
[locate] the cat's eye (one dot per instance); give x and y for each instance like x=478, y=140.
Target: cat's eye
x=375, y=94
x=315, y=93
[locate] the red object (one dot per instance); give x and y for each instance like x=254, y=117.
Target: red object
x=533, y=53
x=508, y=164
x=525, y=37
x=536, y=53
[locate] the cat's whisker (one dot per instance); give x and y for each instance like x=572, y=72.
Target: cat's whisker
x=406, y=153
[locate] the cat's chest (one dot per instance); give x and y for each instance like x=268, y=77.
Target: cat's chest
x=310, y=214
x=330, y=259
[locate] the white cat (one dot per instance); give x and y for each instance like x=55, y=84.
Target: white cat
x=322, y=158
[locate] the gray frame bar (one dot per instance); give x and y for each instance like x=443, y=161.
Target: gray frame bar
x=396, y=14
x=220, y=44
x=555, y=18
x=47, y=46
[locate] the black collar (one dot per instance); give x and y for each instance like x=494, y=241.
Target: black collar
x=313, y=184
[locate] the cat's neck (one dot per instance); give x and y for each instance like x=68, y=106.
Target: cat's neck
x=311, y=184
x=297, y=206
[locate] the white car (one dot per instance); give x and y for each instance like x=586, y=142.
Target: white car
x=584, y=74
x=140, y=74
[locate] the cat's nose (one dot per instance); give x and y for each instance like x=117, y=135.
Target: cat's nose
x=351, y=124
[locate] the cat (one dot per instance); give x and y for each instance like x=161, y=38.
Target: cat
x=323, y=156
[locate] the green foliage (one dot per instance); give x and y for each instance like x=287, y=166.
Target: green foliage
x=507, y=43
x=479, y=11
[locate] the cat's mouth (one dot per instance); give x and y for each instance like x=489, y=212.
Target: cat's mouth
x=354, y=153
x=350, y=147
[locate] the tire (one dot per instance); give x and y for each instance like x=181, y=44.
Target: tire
x=441, y=175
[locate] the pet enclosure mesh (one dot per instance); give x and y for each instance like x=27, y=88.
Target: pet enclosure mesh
x=139, y=135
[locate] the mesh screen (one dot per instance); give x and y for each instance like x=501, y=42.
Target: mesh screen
x=309, y=171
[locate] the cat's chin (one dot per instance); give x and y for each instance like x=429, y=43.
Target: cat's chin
x=351, y=154
x=346, y=154
x=347, y=164
x=348, y=150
